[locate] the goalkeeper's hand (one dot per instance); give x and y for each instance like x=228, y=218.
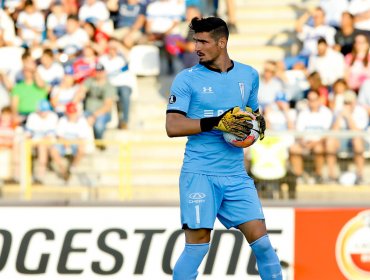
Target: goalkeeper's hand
x=233, y=121
x=261, y=122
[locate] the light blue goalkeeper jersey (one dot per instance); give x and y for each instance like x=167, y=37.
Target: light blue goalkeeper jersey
x=199, y=92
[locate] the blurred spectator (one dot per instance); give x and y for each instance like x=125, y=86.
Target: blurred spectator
x=270, y=86
x=64, y=93
x=333, y=11
x=309, y=34
x=294, y=81
x=84, y=66
x=43, y=5
x=73, y=131
x=314, y=80
x=71, y=6
x=94, y=11
x=364, y=96
x=41, y=127
x=351, y=118
x=30, y=24
x=327, y=62
x=231, y=14
x=50, y=70
x=163, y=18
x=187, y=46
x=7, y=128
x=56, y=21
x=357, y=63
x=98, y=95
x=7, y=30
x=116, y=66
x=98, y=39
x=75, y=35
x=129, y=17
x=336, y=98
x=315, y=118
x=361, y=11
x=8, y=143
x=279, y=116
x=345, y=35
x=5, y=88
x=27, y=94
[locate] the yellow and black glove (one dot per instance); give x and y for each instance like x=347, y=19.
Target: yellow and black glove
x=261, y=122
x=233, y=121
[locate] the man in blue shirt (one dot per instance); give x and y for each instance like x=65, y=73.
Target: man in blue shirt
x=213, y=180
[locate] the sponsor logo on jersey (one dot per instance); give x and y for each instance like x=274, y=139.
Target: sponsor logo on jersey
x=353, y=247
x=197, y=197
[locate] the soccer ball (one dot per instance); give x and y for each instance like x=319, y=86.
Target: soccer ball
x=240, y=143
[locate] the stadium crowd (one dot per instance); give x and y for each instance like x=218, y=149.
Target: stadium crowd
x=74, y=56
x=65, y=63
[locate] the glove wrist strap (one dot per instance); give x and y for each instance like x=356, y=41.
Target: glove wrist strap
x=206, y=124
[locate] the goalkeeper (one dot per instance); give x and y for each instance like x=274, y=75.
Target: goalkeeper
x=205, y=100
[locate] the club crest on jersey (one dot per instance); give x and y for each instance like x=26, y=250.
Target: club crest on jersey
x=241, y=87
x=172, y=99
x=207, y=90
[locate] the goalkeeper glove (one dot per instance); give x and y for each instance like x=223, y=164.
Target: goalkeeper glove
x=261, y=122
x=233, y=121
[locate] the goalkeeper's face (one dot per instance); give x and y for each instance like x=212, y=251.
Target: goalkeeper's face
x=206, y=47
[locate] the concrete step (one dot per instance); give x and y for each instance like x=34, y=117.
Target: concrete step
x=263, y=39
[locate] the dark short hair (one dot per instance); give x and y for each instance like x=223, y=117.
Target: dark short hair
x=322, y=40
x=214, y=25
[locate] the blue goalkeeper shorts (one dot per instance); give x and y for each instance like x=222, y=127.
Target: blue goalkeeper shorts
x=232, y=199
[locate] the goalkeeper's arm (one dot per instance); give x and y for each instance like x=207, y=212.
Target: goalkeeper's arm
x=233, y=121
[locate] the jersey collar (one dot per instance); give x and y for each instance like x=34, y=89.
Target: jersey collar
x=218, y=70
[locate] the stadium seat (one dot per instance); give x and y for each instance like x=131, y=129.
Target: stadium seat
x=144, y=60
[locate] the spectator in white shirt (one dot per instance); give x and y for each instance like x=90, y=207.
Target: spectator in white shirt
x=56, y=22
x=352, y=117
x=327, y=62
x=73, y=131
x=31, y=24
x=94, y=11
x=64, y=93
x=41, y=127
x=50, y=70
x=315, y=118
x=75, y=36
x=361, y=11
x=116, y=66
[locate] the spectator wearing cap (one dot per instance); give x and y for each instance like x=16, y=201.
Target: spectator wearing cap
x=98, y=96
x=75, y=35
x=327, y=62
x=73, y=131
x=64, y=93
x=50, y=70
x=352, y=117
x=116, y=67
x=41, y=127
